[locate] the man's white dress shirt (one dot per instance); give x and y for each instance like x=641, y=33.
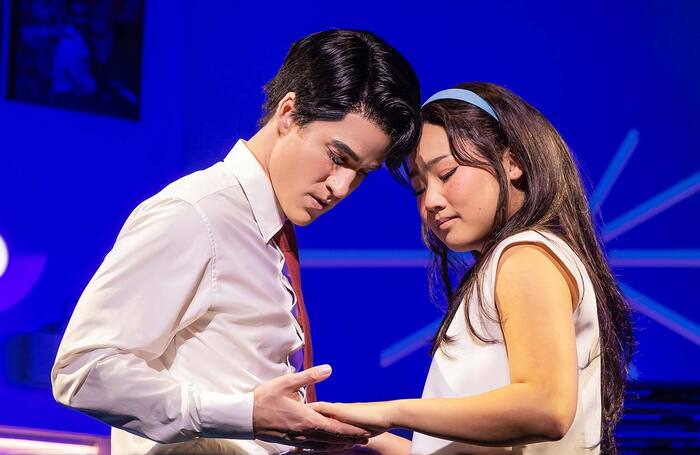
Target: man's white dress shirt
x=189, y=312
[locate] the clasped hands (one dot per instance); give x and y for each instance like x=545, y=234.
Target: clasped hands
x=280, y=416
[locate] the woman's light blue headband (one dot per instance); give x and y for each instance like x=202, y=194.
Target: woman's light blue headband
x=463, y=95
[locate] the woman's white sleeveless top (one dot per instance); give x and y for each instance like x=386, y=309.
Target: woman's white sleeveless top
x=470, y=367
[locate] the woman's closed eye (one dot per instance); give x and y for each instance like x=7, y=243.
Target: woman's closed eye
x=417, y=190
x=444, y=177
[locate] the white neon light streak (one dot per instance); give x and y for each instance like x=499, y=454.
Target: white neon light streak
x=4, y=256
x=27, y=446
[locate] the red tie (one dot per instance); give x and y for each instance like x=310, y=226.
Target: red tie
x=287, y=242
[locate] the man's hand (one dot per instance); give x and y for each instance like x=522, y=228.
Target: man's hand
x=279, y=415
x=384, y=444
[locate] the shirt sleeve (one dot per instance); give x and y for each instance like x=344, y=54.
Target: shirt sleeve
x=158, y=278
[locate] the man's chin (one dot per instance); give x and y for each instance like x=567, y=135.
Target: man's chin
x=302, y=217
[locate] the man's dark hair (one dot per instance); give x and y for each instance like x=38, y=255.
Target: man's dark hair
x=337, y=72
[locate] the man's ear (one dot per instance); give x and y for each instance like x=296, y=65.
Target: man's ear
x=513, y=169
x=284, y=114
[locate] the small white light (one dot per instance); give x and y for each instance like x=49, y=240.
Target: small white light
x=4, y=256
x=27, y=446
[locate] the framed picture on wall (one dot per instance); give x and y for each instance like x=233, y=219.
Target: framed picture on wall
x=3, y=43
x=77, y=54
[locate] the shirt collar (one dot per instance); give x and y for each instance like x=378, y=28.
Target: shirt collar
x=257, y=189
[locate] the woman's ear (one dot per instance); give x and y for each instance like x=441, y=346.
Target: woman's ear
x=511, y=166
x=284, y=114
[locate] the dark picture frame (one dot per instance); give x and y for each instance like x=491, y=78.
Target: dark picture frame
x=77, y=54
x=3, y=43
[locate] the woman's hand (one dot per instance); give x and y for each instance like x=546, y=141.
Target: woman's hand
x=389, y=444
x=375, y=417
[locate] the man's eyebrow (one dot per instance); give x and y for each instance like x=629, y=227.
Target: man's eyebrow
x=345, y=148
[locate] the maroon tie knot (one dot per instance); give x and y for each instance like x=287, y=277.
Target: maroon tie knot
x=286, y=238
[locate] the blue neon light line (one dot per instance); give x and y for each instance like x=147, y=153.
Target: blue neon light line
x=652, y=207
x=655, y=258
x=624, y=152
x=408, y=345
x=363, y=258
x=663, y=315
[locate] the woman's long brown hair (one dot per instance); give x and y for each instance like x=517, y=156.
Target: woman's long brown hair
x=555, y=201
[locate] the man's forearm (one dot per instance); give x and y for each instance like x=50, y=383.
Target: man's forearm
x=121, y=390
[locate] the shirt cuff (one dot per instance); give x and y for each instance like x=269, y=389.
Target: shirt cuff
x=224, y=415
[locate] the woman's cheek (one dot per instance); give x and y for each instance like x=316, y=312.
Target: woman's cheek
x=455, y=193
x=421, y=210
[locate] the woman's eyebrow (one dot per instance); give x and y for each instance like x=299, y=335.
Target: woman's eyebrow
x=412, y=173
x=435, y=160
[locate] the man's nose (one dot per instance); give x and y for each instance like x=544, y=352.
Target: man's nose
x=340, y=183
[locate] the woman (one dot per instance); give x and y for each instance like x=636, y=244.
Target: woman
x=531, y=356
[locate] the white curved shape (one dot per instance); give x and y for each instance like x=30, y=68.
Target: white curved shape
x=4, y=256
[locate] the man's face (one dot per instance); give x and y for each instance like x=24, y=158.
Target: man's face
x=314, y=167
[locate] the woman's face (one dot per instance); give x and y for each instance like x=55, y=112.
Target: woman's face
x=458, y=203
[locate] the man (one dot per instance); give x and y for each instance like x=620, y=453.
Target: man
x=189, y=337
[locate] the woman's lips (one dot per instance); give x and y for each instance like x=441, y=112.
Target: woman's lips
x=444, y=223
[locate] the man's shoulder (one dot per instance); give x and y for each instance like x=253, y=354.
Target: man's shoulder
x=200, y=185
x=212, y=200
x=213, y=195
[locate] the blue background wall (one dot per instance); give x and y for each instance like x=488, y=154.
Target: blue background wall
x=618, y=80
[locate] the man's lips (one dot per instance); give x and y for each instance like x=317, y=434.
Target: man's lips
x=320, y=203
